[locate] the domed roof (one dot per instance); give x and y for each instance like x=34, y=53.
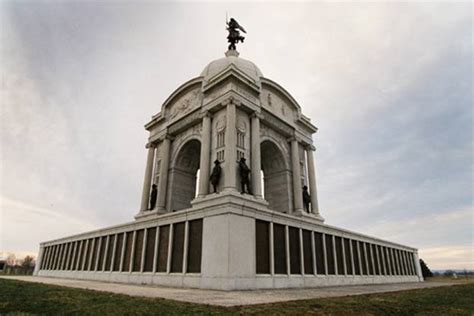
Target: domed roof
x=219, y=65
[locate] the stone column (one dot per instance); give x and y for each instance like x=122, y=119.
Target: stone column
x=205, y=155
x=312, y=181
x=295, y=164
x=256, y=157
x=147, y=180
x=163, y=180
x=230, y=151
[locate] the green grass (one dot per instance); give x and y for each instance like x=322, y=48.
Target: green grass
x=25, y=298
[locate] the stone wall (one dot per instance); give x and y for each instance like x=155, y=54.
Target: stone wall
x=229, y=241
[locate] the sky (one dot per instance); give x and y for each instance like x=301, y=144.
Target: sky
x=388, y=84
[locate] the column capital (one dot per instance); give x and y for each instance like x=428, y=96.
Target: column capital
x=291, y=139
x=231, y=100
x=256, y=115
x=310, y=147
x=205, y=113
x=150, y=145
x=166, y=136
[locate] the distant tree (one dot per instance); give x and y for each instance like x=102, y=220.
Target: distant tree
x=425, y=271
x=28, y=262
x=448, y=273
x=11, y=259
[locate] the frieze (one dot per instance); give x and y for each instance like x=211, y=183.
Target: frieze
x=184, y=122
x=245, y=93
x=277, y=123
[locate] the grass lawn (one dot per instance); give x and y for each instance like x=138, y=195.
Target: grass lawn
x=25, y=298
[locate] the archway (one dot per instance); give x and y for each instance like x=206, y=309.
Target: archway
x=276, y=178
x=183, y=175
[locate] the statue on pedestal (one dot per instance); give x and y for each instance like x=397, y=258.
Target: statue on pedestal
x=244, y=171
x=153, y=195
x=216, y=175
x=306, y=199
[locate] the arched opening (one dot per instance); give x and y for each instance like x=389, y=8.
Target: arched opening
x=276, y=178
x=183, y=176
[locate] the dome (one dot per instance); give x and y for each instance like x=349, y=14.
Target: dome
x=217, y=66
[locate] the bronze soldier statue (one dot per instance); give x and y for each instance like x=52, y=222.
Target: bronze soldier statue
x=216, y=175
x=234, y=35
x=306, y=198
x=153, y=195
x=244, y=171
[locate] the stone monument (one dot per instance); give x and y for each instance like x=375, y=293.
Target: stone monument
x=196, y=236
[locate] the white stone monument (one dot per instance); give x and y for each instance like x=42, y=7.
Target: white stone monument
x=229, y=240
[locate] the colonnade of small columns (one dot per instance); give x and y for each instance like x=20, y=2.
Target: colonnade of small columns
x=229, y=168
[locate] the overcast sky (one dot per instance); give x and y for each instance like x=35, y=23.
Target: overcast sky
x=389, y=85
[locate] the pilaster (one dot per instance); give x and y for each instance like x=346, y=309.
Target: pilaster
x=256, y=156
x=147, y=179
x=204, y=164
x=312, y=180
x=230, y=154
x=295, y=164
x=163, y=180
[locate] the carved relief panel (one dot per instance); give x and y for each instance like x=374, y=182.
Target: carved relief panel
x=183, y=104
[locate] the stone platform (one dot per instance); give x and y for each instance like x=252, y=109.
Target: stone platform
x=229, y=298
x=229, y=241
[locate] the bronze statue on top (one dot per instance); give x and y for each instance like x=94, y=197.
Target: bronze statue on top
x=234, y=35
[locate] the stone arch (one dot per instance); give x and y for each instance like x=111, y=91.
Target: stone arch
x=276, y=177
x=183, y=175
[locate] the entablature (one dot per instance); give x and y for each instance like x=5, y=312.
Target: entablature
x=229, y=72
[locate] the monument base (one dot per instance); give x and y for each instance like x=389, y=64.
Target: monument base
x=228, y=241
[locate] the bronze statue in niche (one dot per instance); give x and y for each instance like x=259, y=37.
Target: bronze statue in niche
x=216, y=175
x=244, y=171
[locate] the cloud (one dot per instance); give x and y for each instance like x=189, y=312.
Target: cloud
x=24, y=225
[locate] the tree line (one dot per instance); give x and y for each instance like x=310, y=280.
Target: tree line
x=14, y=266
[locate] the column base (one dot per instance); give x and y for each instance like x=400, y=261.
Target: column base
x=307, y=215
x=229, y=196
x=150, y=213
